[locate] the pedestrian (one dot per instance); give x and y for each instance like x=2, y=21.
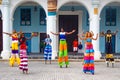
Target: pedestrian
x=75, y=46
x=42, y=46
x=63, y=54
x=48, y=49
x=89, y=52
x=14, y=56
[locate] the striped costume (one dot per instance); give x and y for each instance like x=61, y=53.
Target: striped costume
x=24, y=60
x=89, y=57
x=48, y=49
x=23, y=55
x=63, y=50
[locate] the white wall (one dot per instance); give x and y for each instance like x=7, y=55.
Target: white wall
x=85, y=3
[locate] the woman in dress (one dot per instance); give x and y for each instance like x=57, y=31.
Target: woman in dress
x=23, y=53
x=89, y=52
x=48, y=49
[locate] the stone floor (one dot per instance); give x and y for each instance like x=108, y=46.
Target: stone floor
x=40, y=71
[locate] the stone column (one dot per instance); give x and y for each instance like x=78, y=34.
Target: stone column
x=51, y=25
x=95, y=27
x=6, y=24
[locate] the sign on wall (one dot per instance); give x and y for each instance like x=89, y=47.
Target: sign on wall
x=52, y=5
x=0, y=1
x=96, y=11
x=35, y=34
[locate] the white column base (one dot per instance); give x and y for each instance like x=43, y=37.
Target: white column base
x=97, y=55
x=54, y=55
x=5, y=54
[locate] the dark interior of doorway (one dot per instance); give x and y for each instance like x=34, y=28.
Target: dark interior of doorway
x=1, y=37
x=68, y=23
x=42, y=45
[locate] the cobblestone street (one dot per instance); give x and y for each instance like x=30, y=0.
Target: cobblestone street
x=40, y=71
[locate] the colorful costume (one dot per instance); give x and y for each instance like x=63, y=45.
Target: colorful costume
x=89, y=57
x=109, y=54
x=63, y=50
x=14, y=56
x=23, y=55
x=48, y=49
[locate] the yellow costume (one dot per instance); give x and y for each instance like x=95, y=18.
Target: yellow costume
x=14, y=57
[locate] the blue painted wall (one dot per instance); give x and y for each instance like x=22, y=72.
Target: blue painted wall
x=104, y=28
x=35, y=26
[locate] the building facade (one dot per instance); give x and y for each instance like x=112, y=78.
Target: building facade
x=43, y=16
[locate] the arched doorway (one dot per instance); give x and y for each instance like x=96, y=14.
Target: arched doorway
x=1, y=31
x=30, y=17
x=110, y=21
x=73, y=15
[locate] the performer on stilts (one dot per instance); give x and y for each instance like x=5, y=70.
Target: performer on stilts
x=14, y=56
x=108, y=45
x=48, y=49
x=23, y=53
x=63, y=54
x=88, y=65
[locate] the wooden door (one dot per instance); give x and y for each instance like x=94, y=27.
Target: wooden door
x=68, y=23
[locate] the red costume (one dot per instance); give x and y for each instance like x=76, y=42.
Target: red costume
x=23, y=54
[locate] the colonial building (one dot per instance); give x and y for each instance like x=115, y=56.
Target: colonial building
x=43, y=16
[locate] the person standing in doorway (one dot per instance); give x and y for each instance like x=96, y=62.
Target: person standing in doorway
x=63, y=47
x=75, y=46
x=89, y=52
x=42, y=46
x=48, y=49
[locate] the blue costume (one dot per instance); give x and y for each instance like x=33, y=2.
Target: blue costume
x=48, y=49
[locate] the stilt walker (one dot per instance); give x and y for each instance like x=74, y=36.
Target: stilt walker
x=48, y=49
x=14, y=56
x=63, y=54
x=23, y=53
x=109, y=50
x=88, y=65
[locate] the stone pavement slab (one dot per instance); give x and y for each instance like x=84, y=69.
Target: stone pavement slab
x=40, y=71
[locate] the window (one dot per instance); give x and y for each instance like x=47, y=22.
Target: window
x=87, y=19
x=110, y=17
x=25, y=17
x=42, y=17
